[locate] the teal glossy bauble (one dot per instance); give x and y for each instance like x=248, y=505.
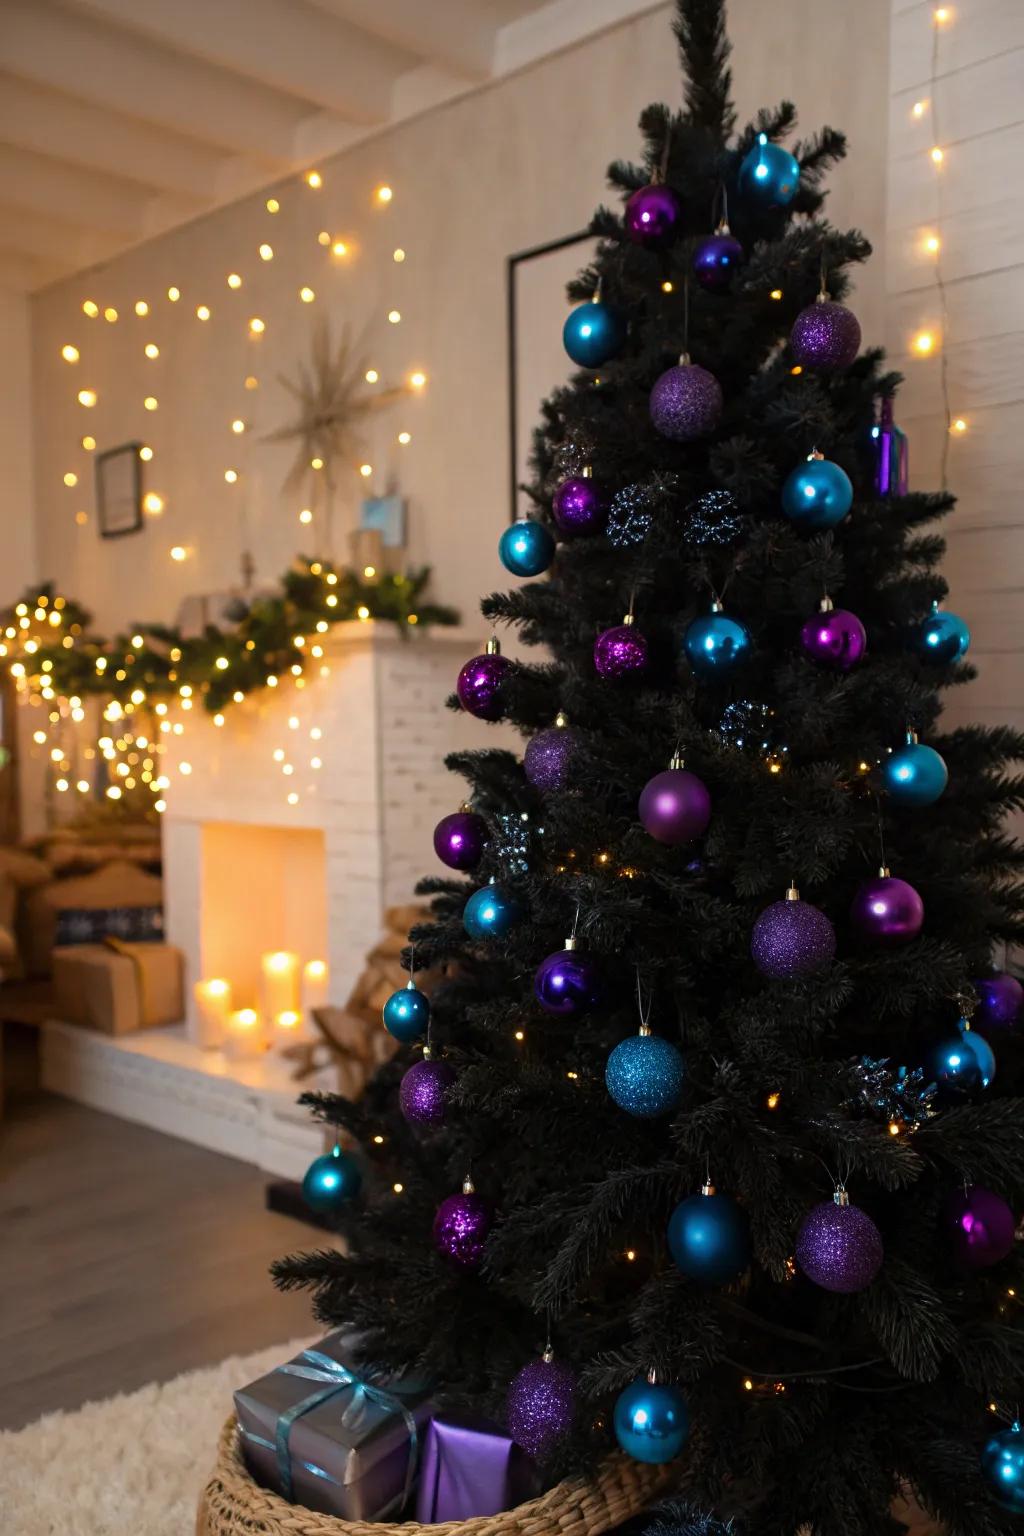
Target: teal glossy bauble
x=715, y=643
x=593, y=332
x=407, y=1014
x=817, y=494
x=769, y=173
x=960, y=1062
x=526, y=548
x=915, y=775
x=651, y=1421
x=709, y=1238
x=943, y=636
x=644, y=1076
x=490, y=913
x=331, y=1181
x=1002, y=1466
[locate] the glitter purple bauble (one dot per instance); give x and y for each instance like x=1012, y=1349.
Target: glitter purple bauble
x=835, y=637
x=675, y=807
x=839, y=1248
x=541, y=1405
x=547, y=757
x=652, y=215
x=479, y=686
x=792, y=938
x=461, y=1227
x=459, y=839
x=579, y=506
x=567, y=983
x=686, y=402
x=421, y=1094
x=1000, y=1000
x=620, y=651
x=980, y=1227
x=888, y=909
x=715, y=261
x=825, y=336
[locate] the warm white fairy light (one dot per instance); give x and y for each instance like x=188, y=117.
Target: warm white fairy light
x=69, y=353
x=153, y=503
x=366, y=470
x=179, y=552
x=151, y=403
x=306, y=515
x=238, y=426
x=257, y=326
x=418, y=379
x=251, y=381
x=145, y=452
x=231, y=476
x=339, y=248
x=202, y=311
x=384, y=194
x=151, y=349
x=306, y=295
x=88, y=398
x=404, y=437
x=266, y=252
x=272, y=205
x=141, y=308
x=919, y=108
x=937, y=155
x=371, y=375
x=398, y=255
x=314, y=180
x=234, y=280
x=174, y=294
x=394, y=316
x=110, y=314
x=70, y=478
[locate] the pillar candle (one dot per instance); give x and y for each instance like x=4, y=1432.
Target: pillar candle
x=213, y=1005
x=288, y=1028
x=244, y=1035
x=315, y=980
x=279, y=992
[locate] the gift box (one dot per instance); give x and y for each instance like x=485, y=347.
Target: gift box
x=118, y=988
x=325, y=1434
x=471, y=1468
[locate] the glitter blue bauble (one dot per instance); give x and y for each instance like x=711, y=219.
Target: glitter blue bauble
x=943, y=636
x=593, y=332
x=915, y=775
x=817, y=494
x=651, y=1421
x=407, y=1014
x=960, y=1062
x=331, y=1181
x=526, y=548
x=644, y=1076
x=715, y=643
x=709, y=1238
x=1002, y=1466
x=490, y=913
x=769, y=173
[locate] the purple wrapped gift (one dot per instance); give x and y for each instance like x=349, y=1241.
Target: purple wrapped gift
x=332, y=1437
x=471, y=1468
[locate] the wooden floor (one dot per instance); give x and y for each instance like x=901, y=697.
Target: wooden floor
x=127, y=1257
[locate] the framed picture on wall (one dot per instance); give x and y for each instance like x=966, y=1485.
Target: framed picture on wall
x=119, y=491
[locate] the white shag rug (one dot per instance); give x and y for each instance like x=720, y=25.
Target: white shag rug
x=132, y=1465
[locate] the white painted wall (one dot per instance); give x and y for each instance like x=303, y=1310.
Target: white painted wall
x=17, y=523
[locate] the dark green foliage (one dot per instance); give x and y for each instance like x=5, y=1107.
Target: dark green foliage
x=810, y=1411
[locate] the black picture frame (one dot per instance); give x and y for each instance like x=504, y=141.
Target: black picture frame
x=119, y=491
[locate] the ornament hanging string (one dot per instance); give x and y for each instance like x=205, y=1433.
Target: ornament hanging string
x=643, y=1001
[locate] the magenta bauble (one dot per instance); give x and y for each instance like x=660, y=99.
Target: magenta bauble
x=980, y=1227
x=461, y=1227
x=652, y=216
x=839, y=1247
x=459, y=839
x=686, y=403
x=479, y=684
x=579, y=506
x=675, y=806
x=835, y=637
x=792, y=938
x=825, y=336
x=887, y=910
x=620, y=652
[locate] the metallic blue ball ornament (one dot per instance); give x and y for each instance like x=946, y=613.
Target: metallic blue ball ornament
x=593, y=332
x=817, y=494
x=526, y=548
x=644, y=1076
x=331, y=1181
x=1002, y=1466
x=709, y=1238
x=916, y=774
x=407, y=1013
x=490, y=913
x=960, y=1062
x=769, y=173
x=943, y=636
x=715, y=643
x=651, y=1421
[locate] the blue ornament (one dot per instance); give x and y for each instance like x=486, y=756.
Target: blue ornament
x=1002, y=1465
x=526, y=548
x=490, y=913
x=961, y=1063
x=407, y=1013
x=715, y=643
x=644, y=1075
x=593, y=332
x=709, y=1238
x=916, y=774
x=943, y=636
x=769, y=173
x=651, y=1421
x=331, y=1181
x=817, y=494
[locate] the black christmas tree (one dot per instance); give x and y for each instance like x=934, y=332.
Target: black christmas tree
x=703, y=1050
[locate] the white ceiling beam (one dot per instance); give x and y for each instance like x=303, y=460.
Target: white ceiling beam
x=81, y=197
x=560, y=24
x=53, y=240
x=23, y=274
x=154, y=85
x=458, y=34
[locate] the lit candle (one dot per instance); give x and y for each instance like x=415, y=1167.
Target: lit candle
x=287, y=1027
x=315, y=978
x=280, y=983
x=213, y=1005
x=244, y=1034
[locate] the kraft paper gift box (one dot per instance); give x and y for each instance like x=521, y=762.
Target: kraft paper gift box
x=324, y=1434
x=118, y=988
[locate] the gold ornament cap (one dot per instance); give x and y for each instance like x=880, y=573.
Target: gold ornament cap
x=677, y=760
x=883, y=872
x=561, y=720
x=792, y=894
x=708, y=1188
x=493, y=647
x=841, y=1199
x=826, y=605
x=468, y=1187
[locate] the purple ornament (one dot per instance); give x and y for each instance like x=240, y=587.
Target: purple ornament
x=835, y=637
x=548, y=756
x=459, y=839
x=980, y=1227
x=686, y=402
x=651, y=217
x=792, y=938
x=541, y=1404
x=422, y=1092
x=675, y=806
x=479, y=684
x=579, y=507
x=620, y=651
x=567, y=983
x=461, y=1227
x=887, y=909
x=839, y=1247
x=1000, y=999
x=716, y=259
x=826, y=336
